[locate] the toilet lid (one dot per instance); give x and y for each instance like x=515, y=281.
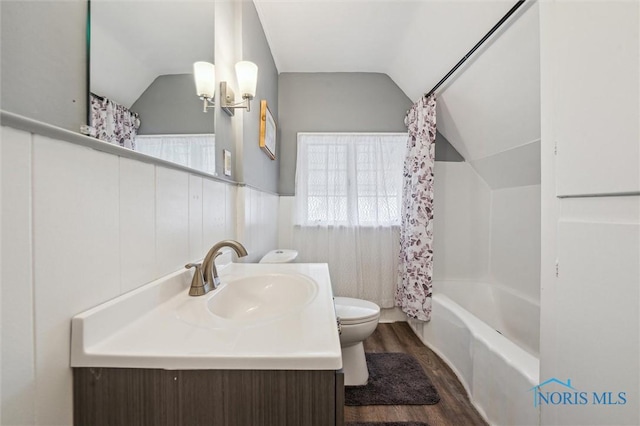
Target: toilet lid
x=355, y=311
x=279, y=256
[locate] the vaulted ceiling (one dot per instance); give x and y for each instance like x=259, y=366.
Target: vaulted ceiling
x=133, y=42
x=489, y=110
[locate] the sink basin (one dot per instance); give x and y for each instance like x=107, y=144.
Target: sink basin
x=262, y=317
x=261, y=297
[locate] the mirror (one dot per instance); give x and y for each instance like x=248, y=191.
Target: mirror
x=141, y=60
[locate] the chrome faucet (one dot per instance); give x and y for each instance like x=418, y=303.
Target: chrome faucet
x=205, y=277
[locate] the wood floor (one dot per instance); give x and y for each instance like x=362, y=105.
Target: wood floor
x=454, y=407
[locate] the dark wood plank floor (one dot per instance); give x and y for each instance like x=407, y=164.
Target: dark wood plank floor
x=454, y=407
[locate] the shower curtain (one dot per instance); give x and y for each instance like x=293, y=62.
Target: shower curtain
x=113, y=123
x=415, y=261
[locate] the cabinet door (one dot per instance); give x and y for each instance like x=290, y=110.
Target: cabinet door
x=125, y=396
x=596, y=96
x=597, y=322
x=257, y=397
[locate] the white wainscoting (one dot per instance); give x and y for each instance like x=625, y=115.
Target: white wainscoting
x=80, y=227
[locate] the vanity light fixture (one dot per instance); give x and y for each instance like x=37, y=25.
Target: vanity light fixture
x=247, y=75
x=204, y=74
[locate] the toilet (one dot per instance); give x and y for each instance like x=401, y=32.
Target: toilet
x=279, y=256
x=357, y=318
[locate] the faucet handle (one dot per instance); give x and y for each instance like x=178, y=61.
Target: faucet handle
x=198, y=286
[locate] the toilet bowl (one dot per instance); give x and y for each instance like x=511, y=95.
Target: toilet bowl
x=357, y=318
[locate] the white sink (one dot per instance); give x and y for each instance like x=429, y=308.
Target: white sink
x=262, y=317
x=262, y=297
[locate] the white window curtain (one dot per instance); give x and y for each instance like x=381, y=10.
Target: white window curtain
x=347, y=209
x=197, y=151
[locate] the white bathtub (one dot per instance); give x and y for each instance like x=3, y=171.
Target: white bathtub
x=489, y=337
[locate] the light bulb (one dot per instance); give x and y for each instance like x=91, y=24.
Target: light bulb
x=204, y=74
x=247, y=74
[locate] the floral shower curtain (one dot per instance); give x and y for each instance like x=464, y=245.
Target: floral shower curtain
x=415, y=262
x=113, y=123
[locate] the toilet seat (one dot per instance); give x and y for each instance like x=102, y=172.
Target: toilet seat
x=355, y=311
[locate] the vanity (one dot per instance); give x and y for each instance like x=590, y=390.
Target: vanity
x=261, y=349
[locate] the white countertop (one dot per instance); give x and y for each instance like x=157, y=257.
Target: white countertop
x=160, y=326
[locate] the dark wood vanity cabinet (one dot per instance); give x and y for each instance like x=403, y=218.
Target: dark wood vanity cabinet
x=121, y=396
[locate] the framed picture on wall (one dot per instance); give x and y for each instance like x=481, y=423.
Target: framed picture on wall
x=267, y=131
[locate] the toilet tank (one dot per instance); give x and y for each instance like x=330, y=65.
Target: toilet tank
x=280, y=256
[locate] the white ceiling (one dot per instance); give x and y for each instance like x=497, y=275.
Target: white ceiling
x=134, y=41
x=494, y=104
x=489, y=107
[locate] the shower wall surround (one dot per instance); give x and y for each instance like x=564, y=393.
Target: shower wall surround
x=486, y=234
x=461, y=231
x=515, y=239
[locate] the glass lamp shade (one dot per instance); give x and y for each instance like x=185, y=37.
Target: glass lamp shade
x=247, y=74
x=204, y=74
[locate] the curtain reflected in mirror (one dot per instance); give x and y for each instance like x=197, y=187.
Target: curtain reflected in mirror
x=194, y=151
x=142, y=90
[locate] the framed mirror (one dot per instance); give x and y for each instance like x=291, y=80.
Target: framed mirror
x=141, y=83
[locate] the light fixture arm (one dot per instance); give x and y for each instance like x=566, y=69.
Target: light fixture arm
x=207, y=103
x=244, y=104
x=228, y=97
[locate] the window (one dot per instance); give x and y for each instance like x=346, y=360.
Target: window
x=349, y=178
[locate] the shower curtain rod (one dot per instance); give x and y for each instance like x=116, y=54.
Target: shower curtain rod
x=486, y=36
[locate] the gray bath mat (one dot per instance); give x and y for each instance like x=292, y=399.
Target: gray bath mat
x=386, y=424
x=394, y=379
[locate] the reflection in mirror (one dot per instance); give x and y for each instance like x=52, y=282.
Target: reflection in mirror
x=143, y=94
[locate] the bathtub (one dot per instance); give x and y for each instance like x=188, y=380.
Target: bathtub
x=488, y=335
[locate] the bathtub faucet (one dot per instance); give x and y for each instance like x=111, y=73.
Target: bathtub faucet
x=205, y=277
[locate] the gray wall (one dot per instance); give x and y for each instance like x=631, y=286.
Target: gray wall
x=258, y=169
x=334, y=102
x=170, y=106
x=43, y=76
x=444, y=150
x=44, y=61
x=340, y=102
x=225, y=55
